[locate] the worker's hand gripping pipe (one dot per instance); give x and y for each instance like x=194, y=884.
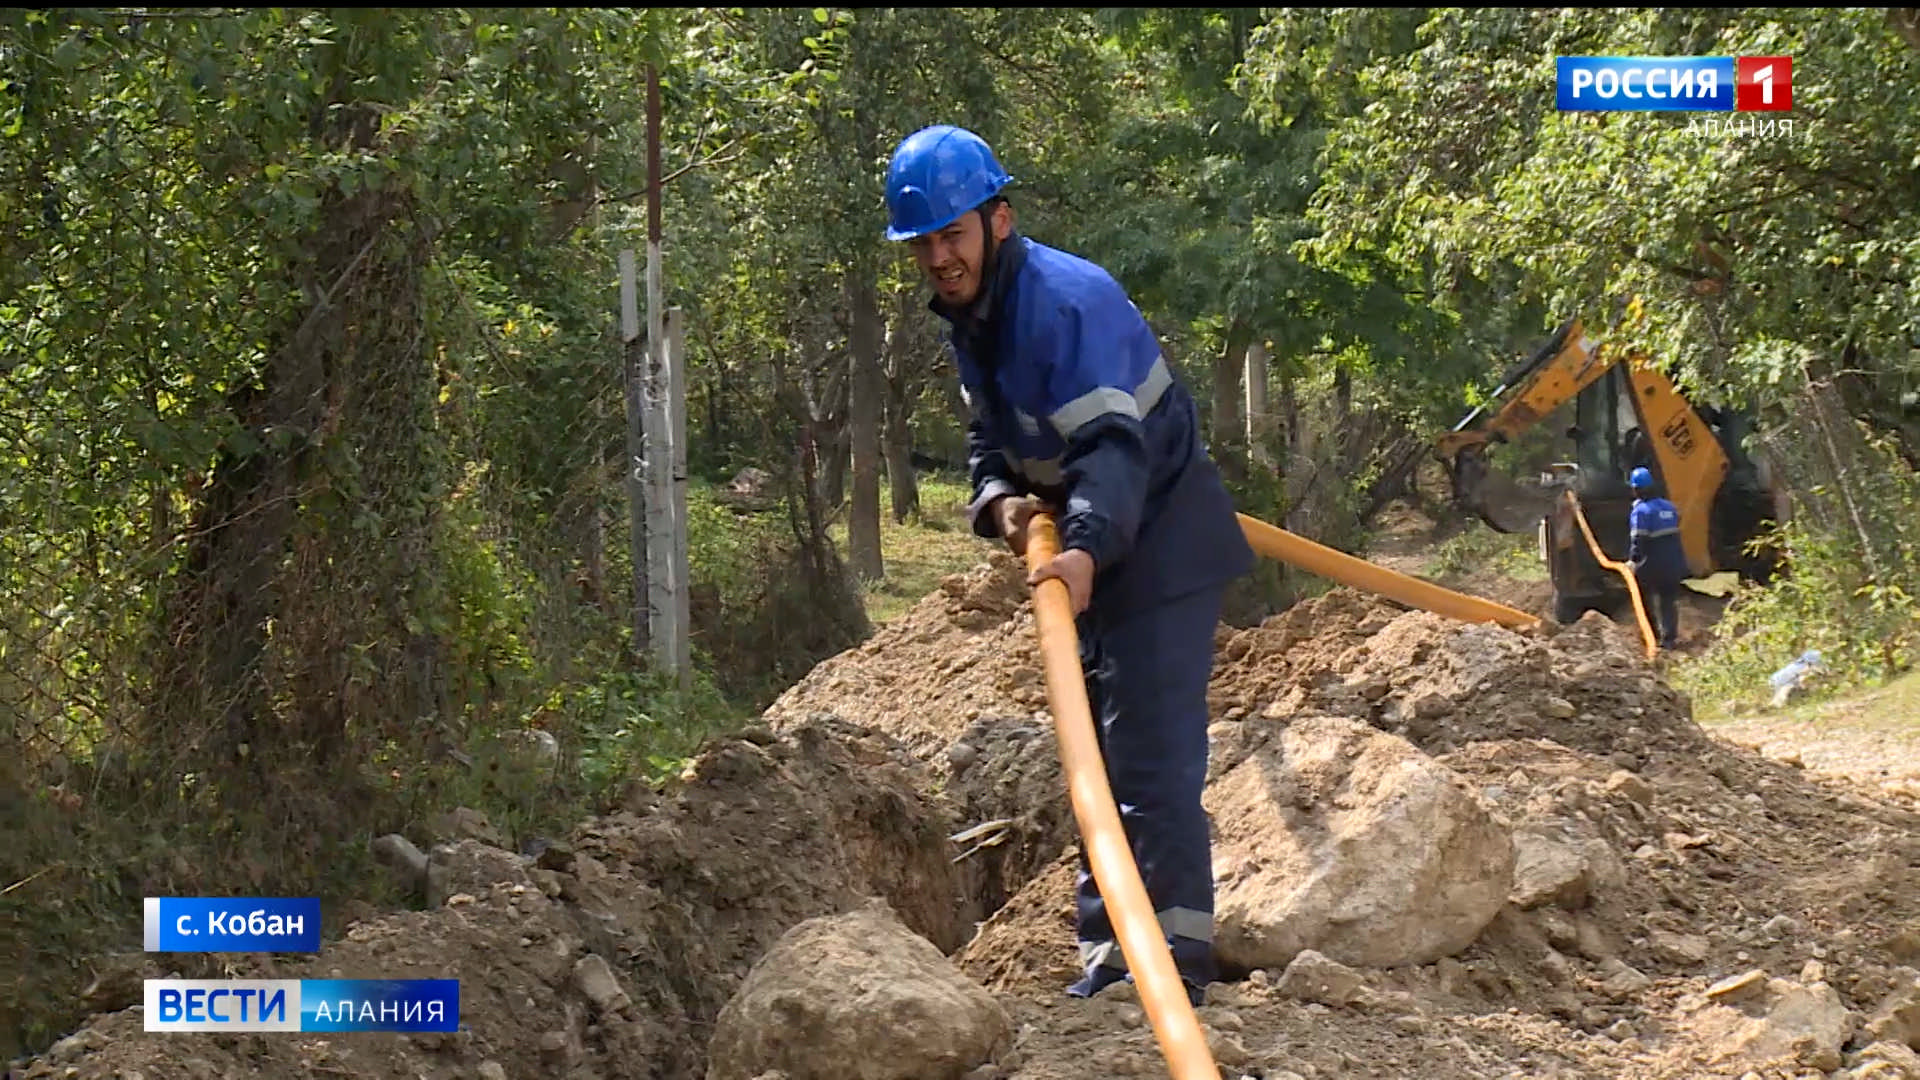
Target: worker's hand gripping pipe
x=1162, y=993
x=1625, y=571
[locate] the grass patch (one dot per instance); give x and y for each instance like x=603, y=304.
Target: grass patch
x=1513, y=555
x=917, y=553
x=1893, y=706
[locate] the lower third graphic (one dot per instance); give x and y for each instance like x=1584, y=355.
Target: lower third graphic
x=302, y=1005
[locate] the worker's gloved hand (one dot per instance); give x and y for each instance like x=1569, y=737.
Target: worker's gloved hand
x=1011, y=513
x=1073, y=566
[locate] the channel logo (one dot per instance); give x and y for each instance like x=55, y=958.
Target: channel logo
x=1674, y=83
x=410, y=1005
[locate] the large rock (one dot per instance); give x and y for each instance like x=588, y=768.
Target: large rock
x=1897, y=1017
x=856, y=997
x=1779, y=1021
x=1547, y=870
x=1337, y=837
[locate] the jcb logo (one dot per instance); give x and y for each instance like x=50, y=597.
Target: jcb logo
x=1679, y=436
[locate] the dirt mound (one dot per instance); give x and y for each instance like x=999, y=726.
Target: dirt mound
x=1652, y=864
x=1651, y=858
x=1653, y=861
x=954, y=658
x=1442, y=684
x=957, y=680
x=613, y=953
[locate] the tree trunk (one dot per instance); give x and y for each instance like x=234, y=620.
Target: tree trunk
x=1259, y=421
x=1299, y=467
x=1229, y=371
x=716, y=384
x=903, y=386
x=292, y=633
x=1906, y=23
x=864, y=392
x=833, y=466
x=827, y=421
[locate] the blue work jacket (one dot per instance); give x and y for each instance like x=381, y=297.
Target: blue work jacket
x=1072, y=401
x=1653, y=540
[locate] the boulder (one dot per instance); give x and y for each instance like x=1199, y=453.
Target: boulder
x=1547, y=870
x=856, y=996
x=1897, y=1017
x=1787, y=1022
x=1334, y=836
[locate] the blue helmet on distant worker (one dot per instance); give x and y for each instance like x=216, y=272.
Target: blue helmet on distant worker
x=937, y=174
x=1641, y=478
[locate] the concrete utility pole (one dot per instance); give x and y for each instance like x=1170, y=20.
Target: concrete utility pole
x=665, y=415
x=1259, y=420
x=667, y=443
x=634, y=370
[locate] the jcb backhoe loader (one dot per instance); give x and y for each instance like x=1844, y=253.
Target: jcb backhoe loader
x=1625, y=415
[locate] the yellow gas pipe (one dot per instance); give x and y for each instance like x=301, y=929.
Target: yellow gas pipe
x=1277, y=543
x=1625, y=571
x=1142, y=942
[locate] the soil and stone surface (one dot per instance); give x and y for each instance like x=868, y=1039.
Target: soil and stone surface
x=1442, y=850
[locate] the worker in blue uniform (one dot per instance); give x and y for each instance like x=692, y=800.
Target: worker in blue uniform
x=1654, y=550
x=1074, y=410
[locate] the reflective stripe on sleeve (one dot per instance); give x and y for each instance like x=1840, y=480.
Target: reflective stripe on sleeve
x=1100, y=401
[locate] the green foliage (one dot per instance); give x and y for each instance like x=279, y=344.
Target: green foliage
x=1459, y=169
x=1751, y=262
x=1481, y=550
x=1849, y=595
x=635, y=724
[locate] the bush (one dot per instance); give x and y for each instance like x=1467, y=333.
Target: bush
x=1866, y=631
x=766, y=609
x=1514, y=555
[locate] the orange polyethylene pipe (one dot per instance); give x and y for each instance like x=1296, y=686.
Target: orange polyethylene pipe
x=1277, y=543
x=1625, y=571
x=1182, y=1042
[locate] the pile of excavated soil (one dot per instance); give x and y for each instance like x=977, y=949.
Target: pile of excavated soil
x=1679, y=907
x=612, y=954
x=951, y=660
x=1701, y=860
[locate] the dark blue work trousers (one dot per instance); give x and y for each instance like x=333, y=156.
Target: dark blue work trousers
x=1147, y=683
x=1660, y=593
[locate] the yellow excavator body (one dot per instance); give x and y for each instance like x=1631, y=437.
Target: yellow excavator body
x=1627, y=413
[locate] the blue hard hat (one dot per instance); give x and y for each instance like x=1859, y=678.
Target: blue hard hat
x=1641, y=477
x=937, y=174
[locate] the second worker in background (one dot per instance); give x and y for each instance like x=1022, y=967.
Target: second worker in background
x=1655, y=552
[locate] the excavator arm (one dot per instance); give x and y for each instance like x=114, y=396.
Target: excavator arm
x=1680, y=446
x=1553, y=376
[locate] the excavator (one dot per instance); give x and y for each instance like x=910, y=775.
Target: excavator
x=1626, y=414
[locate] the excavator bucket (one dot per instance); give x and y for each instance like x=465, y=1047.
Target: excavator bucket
x=1493, y=497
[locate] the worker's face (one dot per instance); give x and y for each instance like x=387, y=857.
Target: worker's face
x=954, y=258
